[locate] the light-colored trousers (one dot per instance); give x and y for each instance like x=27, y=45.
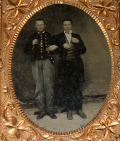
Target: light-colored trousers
x=43, y=74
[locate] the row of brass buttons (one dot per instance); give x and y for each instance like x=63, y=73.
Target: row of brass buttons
x=42, y=40
x=42, y=46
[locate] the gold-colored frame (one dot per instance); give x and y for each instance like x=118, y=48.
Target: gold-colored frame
x=15, y=125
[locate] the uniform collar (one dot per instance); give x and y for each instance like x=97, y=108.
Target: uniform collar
x=41, y=32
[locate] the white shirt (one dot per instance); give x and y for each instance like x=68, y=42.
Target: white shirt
x=68, y=36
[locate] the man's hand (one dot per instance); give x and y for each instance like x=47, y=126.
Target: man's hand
x=75, y=40
x=51, y=48
x=35, y=41
x=67, y=46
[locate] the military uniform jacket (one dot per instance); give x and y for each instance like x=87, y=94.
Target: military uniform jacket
x=66, y=67
x=38, y=51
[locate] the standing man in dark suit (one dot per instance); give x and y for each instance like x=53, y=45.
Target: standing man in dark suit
x=40, y=46
x=71, y=68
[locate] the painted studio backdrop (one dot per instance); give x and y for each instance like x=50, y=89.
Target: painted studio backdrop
x=97, y=61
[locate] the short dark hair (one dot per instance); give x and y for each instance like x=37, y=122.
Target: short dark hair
x=40, y=19
x=67, y=20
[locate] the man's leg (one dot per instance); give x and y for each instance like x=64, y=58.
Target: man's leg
x=48, y=73
x=68, y=96
x=78, y=102
x=77, y=99
x=67, y=87
x=69, y=102
x=37, y=72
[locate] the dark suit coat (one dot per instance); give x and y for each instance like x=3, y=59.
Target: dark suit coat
x=68, y=68
x=38, y=51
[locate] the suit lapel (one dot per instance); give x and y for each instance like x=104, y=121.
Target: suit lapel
x=73, y=35
x=63, y=37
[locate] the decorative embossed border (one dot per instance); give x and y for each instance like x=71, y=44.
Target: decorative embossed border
x=15, y=125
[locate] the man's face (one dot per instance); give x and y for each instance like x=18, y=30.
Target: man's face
x=67, y=26
x=40, y=26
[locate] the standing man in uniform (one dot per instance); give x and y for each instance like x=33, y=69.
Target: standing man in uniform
x=71, y=68
x=40, y=45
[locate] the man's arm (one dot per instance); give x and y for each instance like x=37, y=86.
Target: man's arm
x=80, y=47
x=61, y=43
x=53, y=48
x=30, y=45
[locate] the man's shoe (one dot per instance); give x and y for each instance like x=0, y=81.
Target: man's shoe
x=82, y=115
x=36, y=113
x=52, y=115
x=41, y=115
x=69, y=115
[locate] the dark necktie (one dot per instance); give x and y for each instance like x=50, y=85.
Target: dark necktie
x=67, y=32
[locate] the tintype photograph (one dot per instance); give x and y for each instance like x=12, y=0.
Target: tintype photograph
x=61, y=68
